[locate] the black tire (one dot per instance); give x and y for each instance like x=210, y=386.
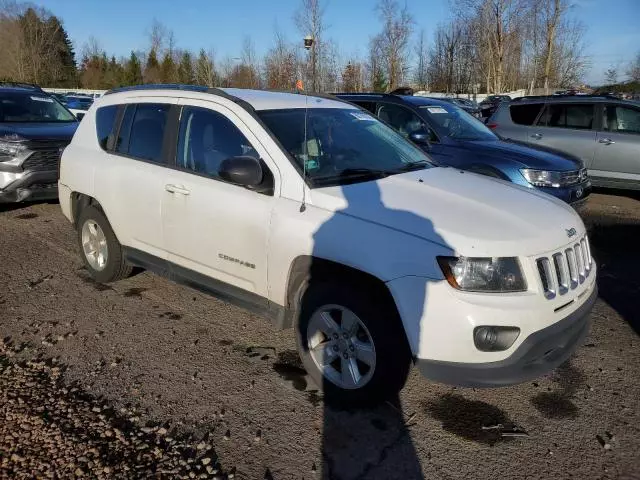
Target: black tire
x=115, y=268
x=381, y=319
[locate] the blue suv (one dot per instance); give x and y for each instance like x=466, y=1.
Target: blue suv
x=454, y=138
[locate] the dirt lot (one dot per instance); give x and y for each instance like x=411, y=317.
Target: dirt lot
x=187, y=378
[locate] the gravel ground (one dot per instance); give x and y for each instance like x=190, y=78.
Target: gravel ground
x=145, y=378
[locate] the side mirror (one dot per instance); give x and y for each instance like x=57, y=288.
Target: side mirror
x=421, y=137
x=242, y=170
x=79, y=116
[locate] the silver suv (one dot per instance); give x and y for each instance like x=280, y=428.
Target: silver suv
x=604, y=132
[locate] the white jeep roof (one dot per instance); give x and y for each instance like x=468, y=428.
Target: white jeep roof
x=258, y=99
x=265, y=100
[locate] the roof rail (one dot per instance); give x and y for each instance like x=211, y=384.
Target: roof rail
x=9, y=83
x=169, y=86
x=565, y=95
x=370, y=94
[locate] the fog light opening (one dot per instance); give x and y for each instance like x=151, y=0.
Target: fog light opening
x=494, y=338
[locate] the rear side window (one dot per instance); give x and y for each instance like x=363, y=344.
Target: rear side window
x=146, y=132
x=105, y=121
x=122, y=143
x=576, y=116
x=525, y=114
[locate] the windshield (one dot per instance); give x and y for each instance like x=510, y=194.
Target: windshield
x=32, y=107
x=342, y=144
x=79, y=103
x=453, y=122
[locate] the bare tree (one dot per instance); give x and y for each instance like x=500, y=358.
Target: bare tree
x=309, y=19
x=397, y=24
x=552, y=13
x=159, y=35
x=611, y=75
x=634, y=69
x=281, y=64
x=421, y=74
x=246, y=74
x=12, y=58
x=570, y=62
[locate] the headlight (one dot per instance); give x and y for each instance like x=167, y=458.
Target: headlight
x=483, y=274
x=542, y=178
x=11, y=147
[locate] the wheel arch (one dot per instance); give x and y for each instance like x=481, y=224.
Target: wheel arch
x=306, y=269
x=80, y=201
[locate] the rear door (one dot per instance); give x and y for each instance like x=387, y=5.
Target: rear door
x=130, y=189
x=617, y=159
x=522, y=115
x=567, y=127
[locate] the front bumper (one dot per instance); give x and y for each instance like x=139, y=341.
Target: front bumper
x=33, y=186
x=573, y=195
x=541, y=352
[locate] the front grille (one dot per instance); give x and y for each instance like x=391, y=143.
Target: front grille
x=45, y=155
x=573, y=177
x=565, y=270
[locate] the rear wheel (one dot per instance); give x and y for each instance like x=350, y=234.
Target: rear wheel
x=352, y=345
x=101, y=251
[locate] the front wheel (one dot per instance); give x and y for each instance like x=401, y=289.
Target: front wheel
x=352, y=344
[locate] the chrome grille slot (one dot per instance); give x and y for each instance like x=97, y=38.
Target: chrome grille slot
x=564, y=270
x=587, y=256
x=573, y=267
x=547, y=277
x=580, y=259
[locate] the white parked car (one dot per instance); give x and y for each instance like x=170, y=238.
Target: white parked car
x=317, y=215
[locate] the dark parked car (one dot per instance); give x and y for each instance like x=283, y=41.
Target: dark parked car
x=467, y=105
x=34, y=129
x=453, y=137
x=490, y=104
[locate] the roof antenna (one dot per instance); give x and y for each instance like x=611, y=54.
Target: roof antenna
x=305, y=155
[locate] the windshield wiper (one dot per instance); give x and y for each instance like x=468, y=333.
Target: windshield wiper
x=356, y=172
x=410, y=167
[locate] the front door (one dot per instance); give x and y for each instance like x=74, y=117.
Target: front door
x=617, y=159
x=211, y=227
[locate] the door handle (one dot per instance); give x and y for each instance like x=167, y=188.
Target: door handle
x=606, y=141
x=176, y=189
x=537, y=136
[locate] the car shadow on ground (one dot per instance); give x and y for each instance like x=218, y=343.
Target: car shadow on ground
x=615, y=248
x=373, y=443
x=632, y=194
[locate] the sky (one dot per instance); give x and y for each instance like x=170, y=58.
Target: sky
x=612, y=26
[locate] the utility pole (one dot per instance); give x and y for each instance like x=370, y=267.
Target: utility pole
x=310, y=44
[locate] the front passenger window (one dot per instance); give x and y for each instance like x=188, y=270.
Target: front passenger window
x=622, y=119
x=206, y=139
x=400, y=118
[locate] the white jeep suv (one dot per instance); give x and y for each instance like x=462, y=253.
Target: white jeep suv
x=319, y=216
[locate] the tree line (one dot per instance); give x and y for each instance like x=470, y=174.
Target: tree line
x=485, y=46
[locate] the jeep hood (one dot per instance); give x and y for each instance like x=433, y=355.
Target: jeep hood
x=530, y=156
x=473, y=214
x=40, y=130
